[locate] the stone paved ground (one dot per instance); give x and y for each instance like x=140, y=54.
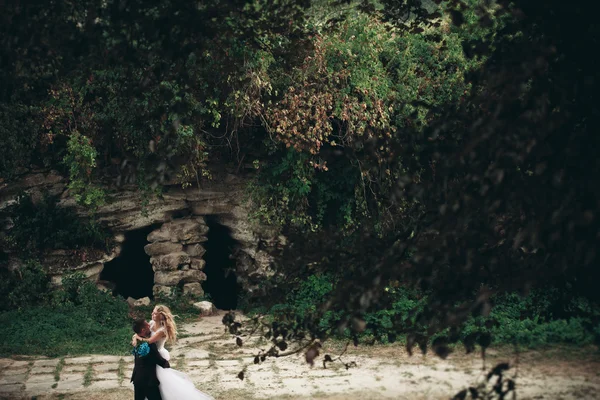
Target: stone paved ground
x=213, y=361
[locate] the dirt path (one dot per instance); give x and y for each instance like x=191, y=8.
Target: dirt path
x=213, y=361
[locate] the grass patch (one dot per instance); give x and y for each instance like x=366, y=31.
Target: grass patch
x=180, y=363
x=87, y=377
x=77, y=319
x=67, y=331
x=59, y=368
x=121, y=371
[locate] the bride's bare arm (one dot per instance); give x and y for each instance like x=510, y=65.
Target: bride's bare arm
x=155, y=337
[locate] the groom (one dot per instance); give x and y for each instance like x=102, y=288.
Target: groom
x=144, y=379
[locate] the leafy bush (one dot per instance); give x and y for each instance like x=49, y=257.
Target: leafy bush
x=540, y=318
x=19, y=137
x=76, y=319
x=362, y=83
x=44, y=225
x=405, y=305
x=304, y=301
x=81, y=160
x=51, y=331
x=24, y=287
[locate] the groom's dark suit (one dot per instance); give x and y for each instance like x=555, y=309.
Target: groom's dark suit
x=144, y=379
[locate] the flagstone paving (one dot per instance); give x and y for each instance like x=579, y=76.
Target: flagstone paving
x=213, y=361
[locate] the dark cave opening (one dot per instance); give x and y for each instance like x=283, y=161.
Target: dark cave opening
x=221, y=283
x=131, y=272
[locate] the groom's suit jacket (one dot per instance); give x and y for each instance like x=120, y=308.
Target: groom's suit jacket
x=144, y=369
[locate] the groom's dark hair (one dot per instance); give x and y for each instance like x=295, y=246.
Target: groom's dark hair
x=138, y=324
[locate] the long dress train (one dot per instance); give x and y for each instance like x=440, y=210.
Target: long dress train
x=175, y=385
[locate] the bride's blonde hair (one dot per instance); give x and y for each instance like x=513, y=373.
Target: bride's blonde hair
x=168, y=322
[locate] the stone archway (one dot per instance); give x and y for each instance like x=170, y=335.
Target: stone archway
x=175, y=251
x=130, y=274
x=177, y=247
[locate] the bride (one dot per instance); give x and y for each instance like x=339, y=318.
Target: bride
x=174, y=385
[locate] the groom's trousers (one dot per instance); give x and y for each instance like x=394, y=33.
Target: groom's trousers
x=149, y=392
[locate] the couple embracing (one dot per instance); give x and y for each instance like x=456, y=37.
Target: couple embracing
x=152, y=376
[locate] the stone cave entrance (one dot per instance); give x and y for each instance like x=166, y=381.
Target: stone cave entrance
x=131, y=272
x=220, y=269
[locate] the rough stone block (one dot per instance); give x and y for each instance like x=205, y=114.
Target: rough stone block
x=206, y=308
x=106, y=376
x=68, y=369
x=13, y=388
x=194, y=250
x=198, y=364
x=92, y=270
x=169, y=262
x=197, y=263
x=107, y=359
x=105, y=286
x=70, y=382
x=41, y=370
x=19, y=364
x=193, y=275
x=101, y=368
x=144, y=301
x=173, y=278
x=168, y=278
x=161, y=290
x=46, y=363
x=79, y=360
x=161, y=248
x=194, y=239
x=104, y=385
x=194, y=289
x=13, y=379
x=186, y=230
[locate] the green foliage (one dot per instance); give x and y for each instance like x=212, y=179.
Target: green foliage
x=19, y=138
x=538, y=319
x=53, y=332
x=44, y=226
x=405, y=305
x=295, y=190
x=310, y=293
x=306, y=300
x=148, y=100
x=77, y=319
x=24, y=287
x=543, y=317
x=363, y=82
x=81, y=159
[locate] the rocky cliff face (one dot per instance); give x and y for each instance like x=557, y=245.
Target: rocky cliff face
x=176, y=247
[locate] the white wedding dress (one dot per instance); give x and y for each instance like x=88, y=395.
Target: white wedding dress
x=175, y=385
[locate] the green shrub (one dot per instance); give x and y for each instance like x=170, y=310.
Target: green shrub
x=44, y=225
x=24, y=287
x=77, y=319
x=81, y=160
x=51, y=331
x=19, y=137
x=549, y=316
x=531, y=320
x=405, y=305
x=304, y=301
